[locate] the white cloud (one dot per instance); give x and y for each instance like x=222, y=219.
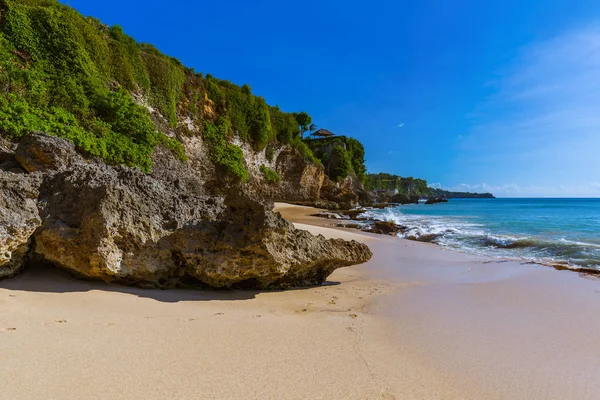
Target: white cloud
x=543, y=122
x=393, y=152
x=400, y=125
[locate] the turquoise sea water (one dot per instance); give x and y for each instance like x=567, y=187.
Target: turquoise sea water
x=553, y=231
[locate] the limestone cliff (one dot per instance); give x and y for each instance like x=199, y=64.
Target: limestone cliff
x=181, y=225
x=344, y=166
x=147, y=171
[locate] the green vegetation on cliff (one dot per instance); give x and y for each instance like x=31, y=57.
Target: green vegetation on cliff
x=413, y=186
x=341, y=156
x=460, y=195
x=55, y=71
x=269, y=175
x=225, y=155
x=73, y=77
x=408, y=186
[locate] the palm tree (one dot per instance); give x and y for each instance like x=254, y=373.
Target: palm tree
x=312, y=128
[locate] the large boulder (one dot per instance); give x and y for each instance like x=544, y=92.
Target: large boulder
x=40, y=152
x=164, y=229
x=19, y=218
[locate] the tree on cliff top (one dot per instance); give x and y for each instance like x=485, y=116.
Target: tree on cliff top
x=304, y=120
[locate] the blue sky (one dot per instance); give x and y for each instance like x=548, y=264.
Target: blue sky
x=500, y=96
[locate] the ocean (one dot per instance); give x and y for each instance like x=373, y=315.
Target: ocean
x=560, y=232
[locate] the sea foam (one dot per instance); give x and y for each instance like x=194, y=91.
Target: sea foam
x=480, y=236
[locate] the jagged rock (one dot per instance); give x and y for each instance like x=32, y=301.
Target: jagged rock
x=382, y=205
x=18, y=219
x=342, y=192
x=354, y=214
x=348, y=193
x=40, y=152
x=435, y=200
x=164, y=229
x=402, y=198
x=384, y=228
x=382, y=196
x=300, y=180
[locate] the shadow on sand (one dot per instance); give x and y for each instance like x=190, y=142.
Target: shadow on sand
x=45, y=279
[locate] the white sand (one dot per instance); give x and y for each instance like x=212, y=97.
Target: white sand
x=415, y=322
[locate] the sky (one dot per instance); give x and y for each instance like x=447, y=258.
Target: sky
x=500, y=96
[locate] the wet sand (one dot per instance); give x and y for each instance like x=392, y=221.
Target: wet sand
x=416, y=322
x=475, y=328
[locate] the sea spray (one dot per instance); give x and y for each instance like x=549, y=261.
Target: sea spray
x=557, y=231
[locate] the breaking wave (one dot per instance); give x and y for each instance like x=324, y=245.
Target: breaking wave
x=474, y=238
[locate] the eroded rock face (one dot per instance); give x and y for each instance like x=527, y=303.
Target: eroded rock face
x=165, y=229
x=342, y=192
x=19, y=218
x=40, y=152
x=301, y=180
x=402, y=198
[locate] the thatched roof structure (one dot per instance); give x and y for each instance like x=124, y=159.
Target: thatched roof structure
x=323, y=133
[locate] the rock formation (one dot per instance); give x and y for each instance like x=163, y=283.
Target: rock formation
x=402, y=198
x=347, y=193
x=182, y=225
x=19, y=218
x=435, y=200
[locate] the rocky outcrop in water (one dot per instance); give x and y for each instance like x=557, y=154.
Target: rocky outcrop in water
x=179, y=226
x=402, y=198
x=435, y=200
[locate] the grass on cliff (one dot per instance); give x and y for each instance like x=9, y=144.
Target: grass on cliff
x=408, y=186
x=269, y=175
x=55, y=70
x=342, y=156
x=225, y=155
x=74, y=77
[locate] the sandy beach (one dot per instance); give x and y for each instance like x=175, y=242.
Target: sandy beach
x=415, y=322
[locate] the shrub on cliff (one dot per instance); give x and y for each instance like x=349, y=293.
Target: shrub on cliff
x=56, y=67
x=269, y=175
x=343, y=165
x=357, y=157
x=303, y=149
x=284, y=125
x=225, y=155
x=249, y=115
x=341, y=156
x=407, y=186
x=73, y=77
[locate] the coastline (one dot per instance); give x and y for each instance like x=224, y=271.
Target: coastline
x=72, y=339
x=495, y=240
x=415, y=322
x=471, y=327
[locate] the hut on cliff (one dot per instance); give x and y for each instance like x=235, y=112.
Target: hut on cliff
x=322, y=133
